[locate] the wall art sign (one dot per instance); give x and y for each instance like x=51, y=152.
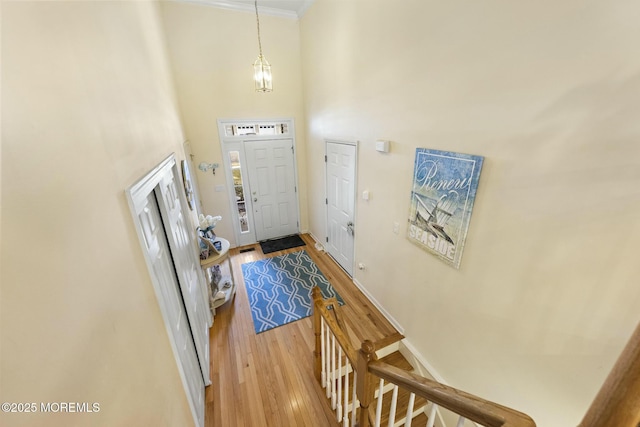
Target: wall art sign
x=444, y=189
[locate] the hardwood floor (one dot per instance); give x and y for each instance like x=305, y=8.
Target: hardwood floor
x=267, y=379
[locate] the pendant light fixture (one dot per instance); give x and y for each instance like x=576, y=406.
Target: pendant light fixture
x=261, y=68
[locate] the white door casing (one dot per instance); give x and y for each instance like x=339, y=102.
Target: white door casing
x=341, y=161
x=180, y=234
x=272, y=183
x=153, y=241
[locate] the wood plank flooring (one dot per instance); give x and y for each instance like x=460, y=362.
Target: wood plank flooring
x=267, y=379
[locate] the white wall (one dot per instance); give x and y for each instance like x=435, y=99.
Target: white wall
x=212, y=52
x=549, y=93
x=87, y=108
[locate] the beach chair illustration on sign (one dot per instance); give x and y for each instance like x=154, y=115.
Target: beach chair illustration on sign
x=434, y=217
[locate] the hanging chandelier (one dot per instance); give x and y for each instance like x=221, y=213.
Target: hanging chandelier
x=261, y=68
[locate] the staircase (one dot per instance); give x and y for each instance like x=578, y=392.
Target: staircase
x=377, y=387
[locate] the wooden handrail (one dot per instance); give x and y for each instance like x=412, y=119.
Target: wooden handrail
x=335, y=323
x=469, y=406
x=618, y=401
x=337, y=313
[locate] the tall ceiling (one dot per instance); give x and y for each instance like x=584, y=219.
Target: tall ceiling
x=287, y=8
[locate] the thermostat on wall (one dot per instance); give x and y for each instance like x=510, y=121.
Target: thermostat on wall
x=382, y=146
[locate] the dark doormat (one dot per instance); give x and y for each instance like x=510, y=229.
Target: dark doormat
x=275, y=245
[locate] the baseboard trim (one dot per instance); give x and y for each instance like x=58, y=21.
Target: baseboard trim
x=379, y=306
x=318, y=241
x=425, y=364
x=366, y=293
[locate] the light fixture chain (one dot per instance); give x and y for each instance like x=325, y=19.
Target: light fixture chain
x=258, y=24
x=261, y=67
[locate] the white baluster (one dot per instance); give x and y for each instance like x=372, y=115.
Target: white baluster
x=345, y=419
x=328, y=360
x=461, y=422
x=432, y=415
x=333, y=372
x=354, y=399
x=392, y=410
x=412, y=398
x=339, y=384
x=379, y=407
x=322, y=351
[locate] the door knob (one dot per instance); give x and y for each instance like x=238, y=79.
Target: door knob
x=350, y=227
x=255, y=199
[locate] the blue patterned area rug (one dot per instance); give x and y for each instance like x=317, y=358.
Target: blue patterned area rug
x=279, y=289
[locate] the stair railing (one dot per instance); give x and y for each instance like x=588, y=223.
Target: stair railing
x=338, y=367
x=334, y=358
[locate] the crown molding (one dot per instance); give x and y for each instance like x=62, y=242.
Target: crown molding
x=243, y=7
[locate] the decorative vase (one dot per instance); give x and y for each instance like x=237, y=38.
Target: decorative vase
x=208, y=233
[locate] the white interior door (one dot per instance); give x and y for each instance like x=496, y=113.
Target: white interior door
x=180, y=234
x=271, y=171
x=341, y=191
x=164, y=277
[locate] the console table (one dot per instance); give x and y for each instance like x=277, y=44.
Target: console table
x=217, y=259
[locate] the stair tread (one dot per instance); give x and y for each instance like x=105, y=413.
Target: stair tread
x=420, y=420
x=398, y=360
x=402, y=404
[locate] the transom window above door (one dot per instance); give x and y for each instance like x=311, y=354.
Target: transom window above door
x=239, y=129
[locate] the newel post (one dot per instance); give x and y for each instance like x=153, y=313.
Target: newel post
x=317, y=353
x=365, y=387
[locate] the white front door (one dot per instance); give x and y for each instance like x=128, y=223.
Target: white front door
x=341, y=192
x=163, y=274
x=272, y=182
x=181, y=237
